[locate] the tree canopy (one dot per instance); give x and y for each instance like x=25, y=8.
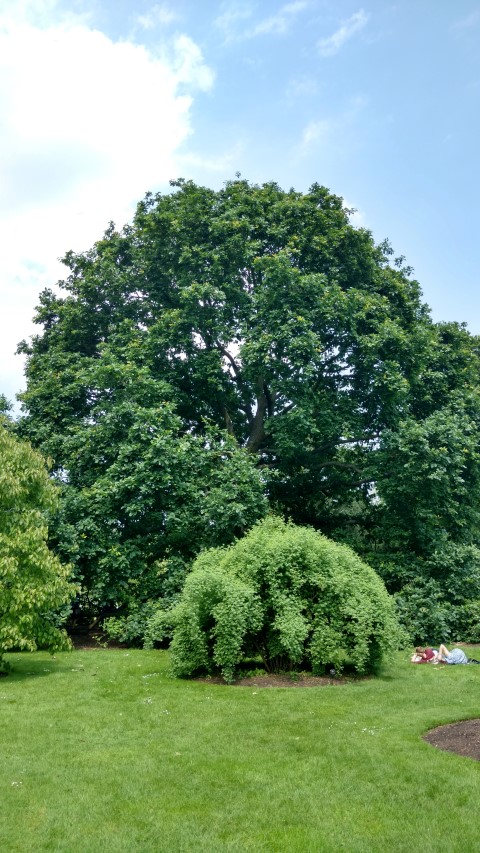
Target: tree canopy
x=144, y=497
x=268, y=318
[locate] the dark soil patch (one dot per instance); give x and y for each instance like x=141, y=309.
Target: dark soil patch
x=95, y=640
x=273, y=680
x=462, y=738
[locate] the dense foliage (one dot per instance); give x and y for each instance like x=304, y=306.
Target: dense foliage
x=287, y=594
x=252, y=319
x=33, y=582
x=143, y=497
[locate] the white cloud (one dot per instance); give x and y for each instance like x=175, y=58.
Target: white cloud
x=234, y=14
x=158, y=15
x=231, y=18
x=88, y=125
x=188, y=66
x=279, y=24
x=38, y=13
x=316, y=132
x=331, y=45
x=301, y=87
x=358, y=217
x=225, y=162
x=326, y=134
x=468, y=21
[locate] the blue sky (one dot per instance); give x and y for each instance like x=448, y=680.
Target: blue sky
x=103, y=100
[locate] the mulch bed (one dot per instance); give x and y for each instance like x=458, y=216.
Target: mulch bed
x=83, y=641
x=97, y=640
x=462, y=738
x=274, y=680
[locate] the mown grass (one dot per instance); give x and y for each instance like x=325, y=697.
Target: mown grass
x=102, y=751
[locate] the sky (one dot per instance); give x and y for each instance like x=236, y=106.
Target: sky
x=102, y=101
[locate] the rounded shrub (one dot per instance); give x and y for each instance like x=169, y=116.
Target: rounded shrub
x=287, y=594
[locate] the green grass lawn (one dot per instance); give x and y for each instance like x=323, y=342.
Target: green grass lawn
x=102, y=751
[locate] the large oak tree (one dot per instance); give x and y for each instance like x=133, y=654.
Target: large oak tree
x=266, y=315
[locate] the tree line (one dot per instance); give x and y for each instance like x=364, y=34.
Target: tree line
x=237, y=352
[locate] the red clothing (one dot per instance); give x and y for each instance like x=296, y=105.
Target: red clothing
x=427, y=656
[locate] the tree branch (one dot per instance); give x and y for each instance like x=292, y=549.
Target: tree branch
x=354, y=440
x=238, y=377
x=228, y=423
x=230, y=358
x=257, y=431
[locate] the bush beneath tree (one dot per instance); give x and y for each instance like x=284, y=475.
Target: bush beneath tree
x=288, y=595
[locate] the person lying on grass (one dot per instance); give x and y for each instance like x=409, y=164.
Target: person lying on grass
x=427, y=655
x=455, y=656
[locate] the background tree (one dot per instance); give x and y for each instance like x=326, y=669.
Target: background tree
x=267, y=315
x=33, y=582
x=142, y=497
x=5, y=409
x=424, y=536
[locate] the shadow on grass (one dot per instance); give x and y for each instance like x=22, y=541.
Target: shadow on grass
x=22, y=667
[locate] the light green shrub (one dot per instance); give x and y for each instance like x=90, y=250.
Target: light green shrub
x=287, y=594
x=34, y=585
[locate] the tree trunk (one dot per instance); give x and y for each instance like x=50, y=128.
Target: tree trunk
x=257, y=430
